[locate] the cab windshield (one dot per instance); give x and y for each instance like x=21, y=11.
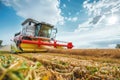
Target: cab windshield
x=43, y=30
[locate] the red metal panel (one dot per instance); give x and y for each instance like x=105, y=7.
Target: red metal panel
x=55, y=44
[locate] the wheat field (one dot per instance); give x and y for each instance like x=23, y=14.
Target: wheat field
x=76, y=64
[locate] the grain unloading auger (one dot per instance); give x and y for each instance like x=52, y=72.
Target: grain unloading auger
x=35, y=37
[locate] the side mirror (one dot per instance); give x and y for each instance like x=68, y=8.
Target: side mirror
x=29, y=23
x=17, y=34
x=53, y=34
x=55, y=30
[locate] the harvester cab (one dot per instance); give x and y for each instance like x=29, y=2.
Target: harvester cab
x=35, y=29
x=36, y=36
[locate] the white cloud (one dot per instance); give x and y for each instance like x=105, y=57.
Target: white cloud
x=83, y=27
x=64, y=5
x=95, y=32
x=73, y=19
x=95, y=38
x=112, y=20
x=102, y=7
x=42, y=10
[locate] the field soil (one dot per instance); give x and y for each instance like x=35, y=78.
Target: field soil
x=78, y=64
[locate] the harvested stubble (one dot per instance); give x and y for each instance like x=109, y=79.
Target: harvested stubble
x=90, y=65
x=113, y=53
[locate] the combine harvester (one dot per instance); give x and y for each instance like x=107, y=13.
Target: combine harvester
x=36, y=37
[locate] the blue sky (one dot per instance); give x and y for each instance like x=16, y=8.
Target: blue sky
x=87, y=23
x=9, y=23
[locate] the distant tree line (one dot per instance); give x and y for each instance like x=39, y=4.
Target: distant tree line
x=117, y=46
x=1, y=42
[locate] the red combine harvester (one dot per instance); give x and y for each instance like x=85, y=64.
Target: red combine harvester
x=37, y=36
